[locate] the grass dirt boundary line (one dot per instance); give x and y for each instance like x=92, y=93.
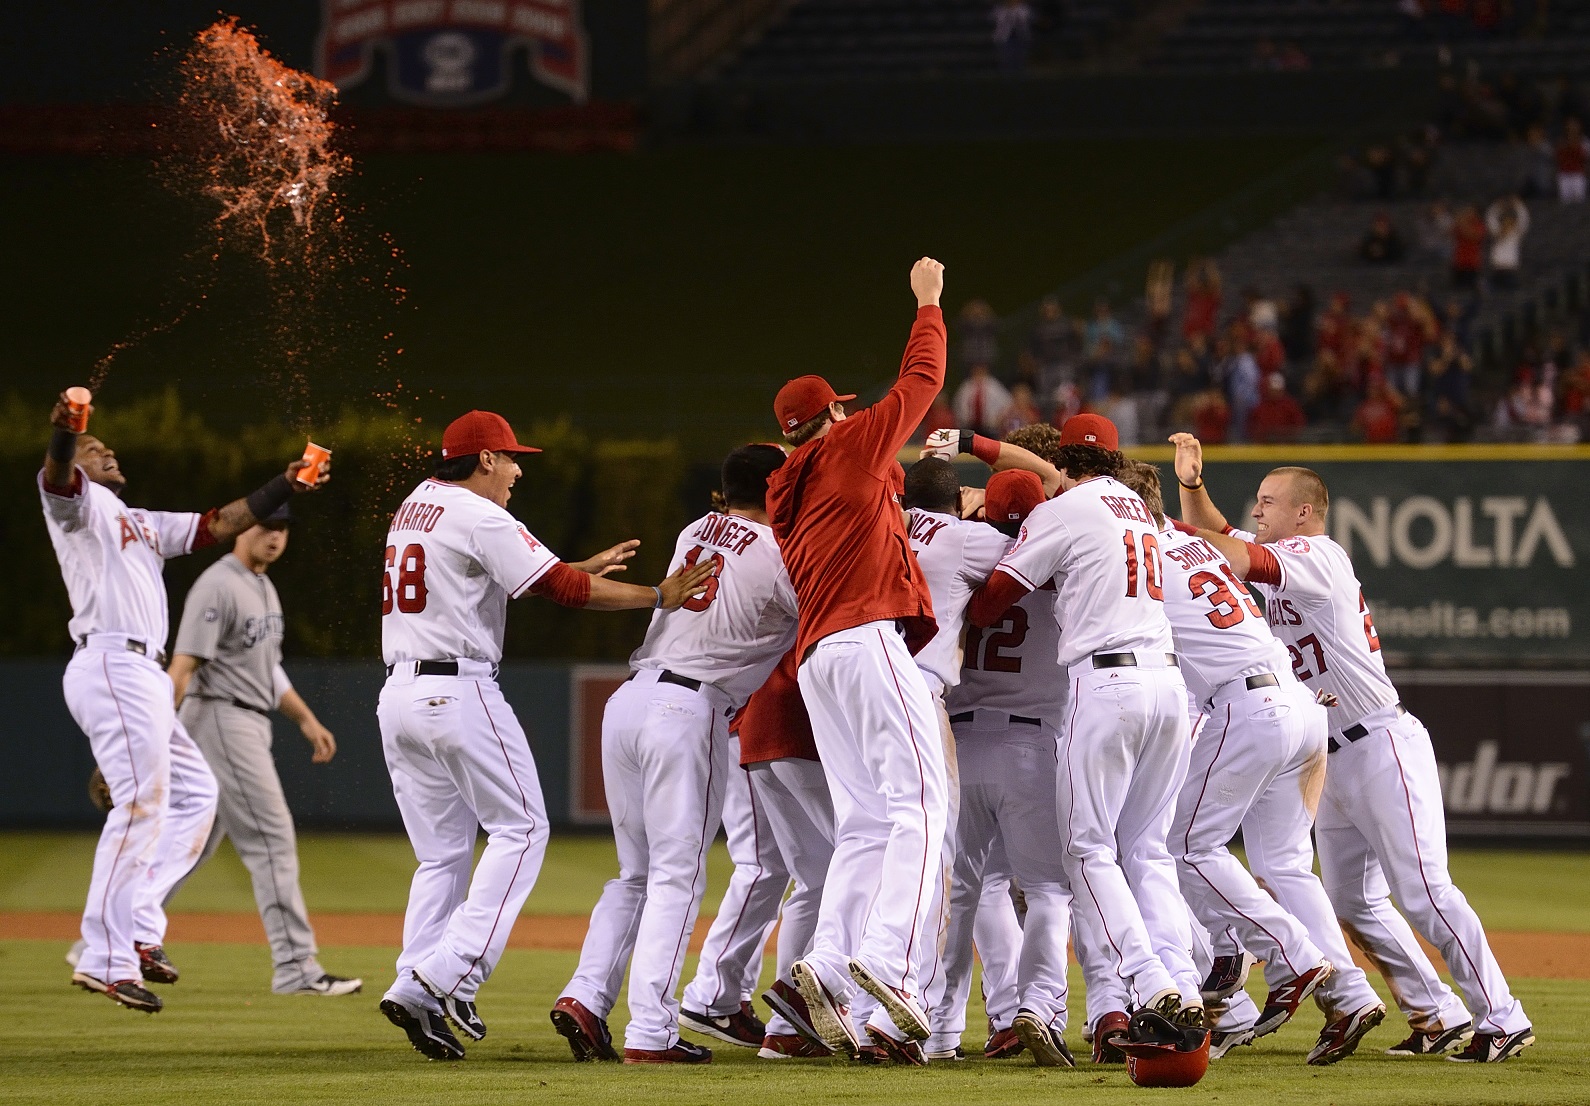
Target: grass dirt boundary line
x=1533, y=955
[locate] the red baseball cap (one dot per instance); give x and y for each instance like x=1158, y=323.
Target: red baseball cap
x=803, y=398
x=1090, y=430
x=1011, y=495
x=480, y=430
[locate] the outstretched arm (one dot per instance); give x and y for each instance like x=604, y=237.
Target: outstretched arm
x=1197, y=509
x=228, y=522
x=60, y=464
x=610, y=560
x=569, y=587
x=996, y=454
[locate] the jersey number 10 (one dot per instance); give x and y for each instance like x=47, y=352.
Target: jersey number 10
x=1153, y=571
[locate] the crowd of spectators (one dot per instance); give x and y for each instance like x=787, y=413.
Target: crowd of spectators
x=1255, y=368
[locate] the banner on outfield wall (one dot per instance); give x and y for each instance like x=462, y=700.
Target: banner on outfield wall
x=589, y=687
x=1467, y=555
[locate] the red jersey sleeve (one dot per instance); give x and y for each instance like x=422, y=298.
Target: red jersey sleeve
x=882, y=430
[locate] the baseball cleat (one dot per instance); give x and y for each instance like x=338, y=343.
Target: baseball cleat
x=1002, y=1044
x=1223, y=1041
x=787, y=1001
x=1433, y=1044
x=791, y=1046
x=680, y=1052
x=947, y=1055
x=907, y=1052
x=1340, y=1038
x=1228, y=976
x=1047, y=1047
x=1493, y=1048
x=741, y=1028
x=903, y=1009
x=872, y=1055
x=830, y=1018
x=586, y=1033
x=154, y=965
x=1166, y=1003
x=128, y=992
x=426, y=1029
x=1108, y=1033
x=1284, y=1000
x=327, y=984
x=460, y=1011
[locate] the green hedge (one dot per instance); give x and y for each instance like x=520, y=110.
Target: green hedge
x=579, y=496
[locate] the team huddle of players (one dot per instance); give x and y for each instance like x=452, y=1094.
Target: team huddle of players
x=951, y=719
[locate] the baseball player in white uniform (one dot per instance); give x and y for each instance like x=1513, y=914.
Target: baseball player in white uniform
x=112, y=559
x=1381, y=827
x=457, y=756
x=665, y=747
x=1260, y=766
x=1006, y=711
x=1123, y=751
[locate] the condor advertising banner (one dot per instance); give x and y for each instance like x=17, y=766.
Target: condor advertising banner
x=1468, y=555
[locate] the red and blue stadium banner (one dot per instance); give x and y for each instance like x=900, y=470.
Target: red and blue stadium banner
x=454, y=53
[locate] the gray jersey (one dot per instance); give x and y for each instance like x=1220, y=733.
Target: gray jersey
x=233, y=621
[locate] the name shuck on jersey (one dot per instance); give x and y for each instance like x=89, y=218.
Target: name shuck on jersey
x=925, y=527
x=1127, y=507
x=1197, y=552
x=726, y=532
x=422, y=517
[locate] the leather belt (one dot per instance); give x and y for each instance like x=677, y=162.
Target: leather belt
x=133, y=645
x=969, y=715
x=666, y=677
x=1357, y=731
x=1263, y=679
x=1127, y=660
x=235, y=702
x=436, y=668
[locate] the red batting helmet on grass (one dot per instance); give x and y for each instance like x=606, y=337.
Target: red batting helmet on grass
x=1160, y=1053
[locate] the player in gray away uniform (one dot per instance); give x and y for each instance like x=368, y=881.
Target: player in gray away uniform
x=228, y=677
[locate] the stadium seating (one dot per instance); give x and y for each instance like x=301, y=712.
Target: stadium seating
x=1225, y=34
x=911, y=38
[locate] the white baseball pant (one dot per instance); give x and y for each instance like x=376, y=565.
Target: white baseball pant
x=877, y=733
x=164, y=797
x=793, y=794
x=1382, y=835
x=1123, y=757
x=460, y=762
x=1260, y=757
x=1007, y=809
x=731, y=956
x=664, y=766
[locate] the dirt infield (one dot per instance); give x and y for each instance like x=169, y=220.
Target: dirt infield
x=1532, y=955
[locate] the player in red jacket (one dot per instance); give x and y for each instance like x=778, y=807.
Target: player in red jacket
x=864, y=611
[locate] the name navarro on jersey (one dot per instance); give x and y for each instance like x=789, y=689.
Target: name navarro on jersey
x=726, y=532
x=417, y=516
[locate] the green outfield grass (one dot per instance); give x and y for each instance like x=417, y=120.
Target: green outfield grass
x=224, y=1037
x=355, y=873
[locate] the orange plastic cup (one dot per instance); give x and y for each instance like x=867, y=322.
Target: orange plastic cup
x=315, y=458
x=78, y=401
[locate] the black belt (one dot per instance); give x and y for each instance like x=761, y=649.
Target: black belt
x=1127, y=660
x=133, y=645
x=666, y=677
x=969, y=715
x=1264, y=679
x=1355, y=732
x=235, y=702
x=436, y=668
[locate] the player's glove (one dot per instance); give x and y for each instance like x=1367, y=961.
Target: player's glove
x=948, y=444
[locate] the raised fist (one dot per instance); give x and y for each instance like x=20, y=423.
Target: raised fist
x=944, y=443
x=927, y=281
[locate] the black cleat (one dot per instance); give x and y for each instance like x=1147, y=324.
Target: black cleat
x=154, y=965
x=586, y=1033
x=741, y=1028
x=1047, y=1047
x=427, y=1030
x=1433, y=1044
x=1493, y=1048
x=128, y=992
x=1228, y=976
x=461, y=1012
